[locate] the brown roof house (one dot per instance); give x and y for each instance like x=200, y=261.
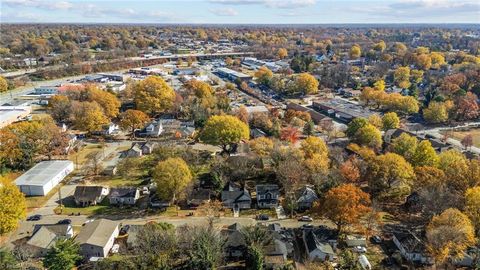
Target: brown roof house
x=90, y=195
x=97, y=238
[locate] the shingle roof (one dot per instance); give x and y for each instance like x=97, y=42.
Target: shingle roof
x=87, y=193
x=97, y=232
x=123, y=192
x=45, y=236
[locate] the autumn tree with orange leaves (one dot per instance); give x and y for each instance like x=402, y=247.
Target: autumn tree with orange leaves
x=289, y=134
x=345, y=205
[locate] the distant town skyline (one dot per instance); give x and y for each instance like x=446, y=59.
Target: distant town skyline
x=241, y=11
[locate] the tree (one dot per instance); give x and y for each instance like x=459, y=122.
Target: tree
x=262, y=146
x=200, y=89
x=428, y=177
x=405, y=146
x=355, y=125
x=390, y=120
x=306, y=84
x=315, y=152
x=348, y=261
x=436, y=112
x=10, y=149
x=289, y=134
x=264, y=75
x=224, y=130
x=3, y=84
x=172, y=177
x=425, y=155
x=355, y=51
x=472, y=206
x=8, y=260
x=107, y=101
x=88, y=116
x=153, y=95
x=390, y=174
x=60, y=108
x=375, y=120
x=350, y=170
x=449, y=235
x=368, y=136
x=380, y=46
x=467, y=141
x=423, y=61
x=308, y=128
x=402, y=77
x=256, y=238
x=456, y=168
x=379, y=85
x=204, y=247
x=12, y=206
x=242, y=114
x=437, y=60
x=282, y=53
x=467, y=107
x=345, y=205
x=63, y=255
x=132, y=120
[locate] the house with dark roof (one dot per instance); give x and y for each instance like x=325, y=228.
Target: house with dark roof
x=199, y=196
x=317, y=250
x=89, y=195
x=97, y=238
x=306, y=198
x=267, y=196
x=411, y=247
x=236, y=197
x=45, y=236
x=235, y=246
x=124, y=195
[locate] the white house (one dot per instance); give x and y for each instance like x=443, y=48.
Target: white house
x=43, y=177
x=316, y=249
x=97, y=238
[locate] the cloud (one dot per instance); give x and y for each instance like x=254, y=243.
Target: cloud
x=49, y=5
x=284, y=4
x=224, y=12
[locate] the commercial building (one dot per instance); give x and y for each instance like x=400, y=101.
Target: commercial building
x=10, y=114
x=43, y=177
x=233, y=75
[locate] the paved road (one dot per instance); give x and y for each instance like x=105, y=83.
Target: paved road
x=436, y=133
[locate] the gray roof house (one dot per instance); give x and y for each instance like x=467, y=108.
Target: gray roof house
x=97, y=238
x=267, y=196
x=317, y=250
x=235, y=243
x=235, y=197
x=124, y=195
x=411, y=247
x=45, y=236
x=307, y=198
x=90, y=195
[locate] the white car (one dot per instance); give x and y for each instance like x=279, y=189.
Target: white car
x=360, y=249
x=305, y=219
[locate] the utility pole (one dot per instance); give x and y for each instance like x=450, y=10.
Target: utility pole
x=60, y=199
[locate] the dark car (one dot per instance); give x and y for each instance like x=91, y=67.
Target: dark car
x=65, y=221
x=34, y=218
x=124, y=229
x=263, y=217
x=376, y=239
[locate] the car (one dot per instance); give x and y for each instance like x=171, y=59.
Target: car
x=360, y=249
x=305, y=219
x=263, y=217
x=124, y=229
x=65, y=221
x=376, y=239
x=307, y=226
x=34, y=218
x=88, y=221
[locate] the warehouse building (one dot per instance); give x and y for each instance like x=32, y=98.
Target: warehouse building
x=43, y=177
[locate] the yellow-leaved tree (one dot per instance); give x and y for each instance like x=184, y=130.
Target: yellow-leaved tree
x=225, y=131
x=172, y=177
x=153, y=95
x=315, y=152
x=12, y=206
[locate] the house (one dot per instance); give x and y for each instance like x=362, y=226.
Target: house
x=276, y=254
x=411, y=247
x=185, y=132
x=154, y=129
x=235, y=243
x=257, y=133
x=235, y=197
x=134, y=151
x=199, y=196
x=90, y=195
x=72, y=139
x=97, y=238
x=43, y=177
x=124, y=195
x=307, y=197
x=267, y=196
x=148, y=147
x=317, y=250
x=45, y=236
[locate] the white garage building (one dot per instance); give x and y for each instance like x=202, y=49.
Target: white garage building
x=43, y=177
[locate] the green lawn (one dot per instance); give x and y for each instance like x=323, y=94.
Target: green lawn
x=255, y=212
x=118, y=181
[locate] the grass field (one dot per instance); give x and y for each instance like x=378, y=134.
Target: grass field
x=80, y=157
x=459, y=135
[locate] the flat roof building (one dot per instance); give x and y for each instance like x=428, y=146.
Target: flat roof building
x=43, y=177
x=233, y=75
x=10, y=114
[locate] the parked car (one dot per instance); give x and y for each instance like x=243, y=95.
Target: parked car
x=88, y=221
x=376, y=239
x=65, y=221
x=360, y=249
x=263, y=217
x=34, y=218
x=305, y=219
x=307, y=226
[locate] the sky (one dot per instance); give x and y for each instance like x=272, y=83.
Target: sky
x=240, y=11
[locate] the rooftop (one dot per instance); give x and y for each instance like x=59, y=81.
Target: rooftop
x=97, y=232
x=43, y=172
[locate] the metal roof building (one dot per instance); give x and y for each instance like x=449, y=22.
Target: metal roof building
x=43, y=177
